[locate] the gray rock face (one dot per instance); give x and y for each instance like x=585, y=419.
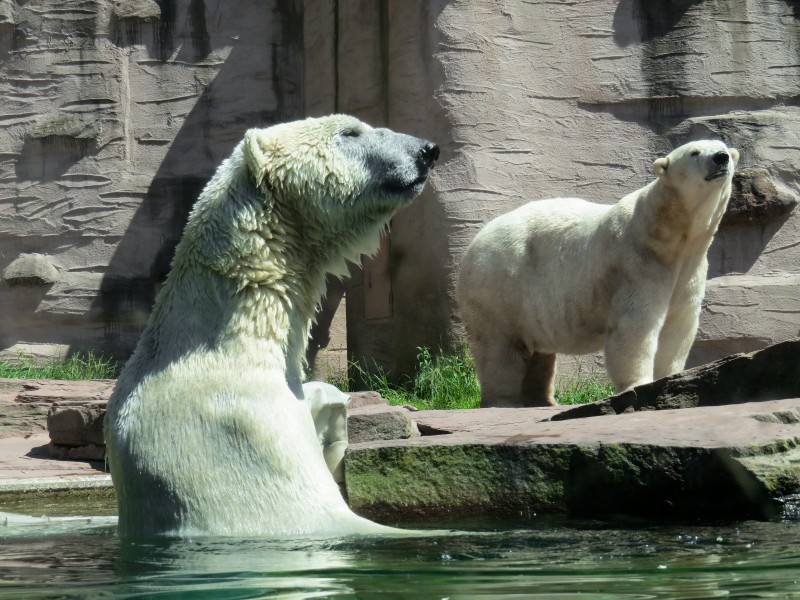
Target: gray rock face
x=116, y=114
x=137, y=9
x=31, y=269
x=548, y=99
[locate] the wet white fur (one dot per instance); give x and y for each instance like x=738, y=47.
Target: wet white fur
x=205, y=432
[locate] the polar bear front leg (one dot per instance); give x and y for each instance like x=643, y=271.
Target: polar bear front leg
x=632, y=337
x=679, y=330
x=537, y=383
x=630, y=357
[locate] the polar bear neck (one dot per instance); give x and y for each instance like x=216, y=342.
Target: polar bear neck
x=671, y=228
x=252, y=273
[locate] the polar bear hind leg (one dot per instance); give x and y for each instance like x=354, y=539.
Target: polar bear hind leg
x=509, y=375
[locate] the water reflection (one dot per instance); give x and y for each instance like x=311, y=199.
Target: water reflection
x=542, y=559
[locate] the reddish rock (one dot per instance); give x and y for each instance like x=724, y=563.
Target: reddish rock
x=76, y=425
x=25, y=403
x=379, y=422
x=769, y=374
x=756, y=200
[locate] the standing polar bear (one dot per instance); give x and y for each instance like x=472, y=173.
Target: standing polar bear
x=206, y=430
x=568, y=276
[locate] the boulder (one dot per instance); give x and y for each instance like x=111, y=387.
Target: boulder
x=769, y=374
x=31, y=269
x=76, y=424
x=756, y=200
x=379, y=422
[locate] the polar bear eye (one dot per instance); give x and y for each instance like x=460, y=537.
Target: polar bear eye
x=696, y=153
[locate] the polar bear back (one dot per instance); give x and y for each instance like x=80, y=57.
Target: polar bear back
x=541, y=247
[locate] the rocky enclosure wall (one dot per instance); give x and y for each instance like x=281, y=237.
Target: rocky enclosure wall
x=115, y=114
x=539, y=99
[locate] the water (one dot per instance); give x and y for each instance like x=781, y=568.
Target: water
x=538, y=559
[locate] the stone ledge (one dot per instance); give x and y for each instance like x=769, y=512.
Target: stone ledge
x=707, y=461
x=40, y=485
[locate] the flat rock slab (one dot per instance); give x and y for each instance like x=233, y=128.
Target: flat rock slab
x=27, y=458
x=25, y=391
x=731, y=460
x=25, y=403
x=734, y=425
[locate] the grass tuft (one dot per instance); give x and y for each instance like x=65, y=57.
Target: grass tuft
x=448, y=381
x=79, y=366
x=441, y=381
x=582, y=390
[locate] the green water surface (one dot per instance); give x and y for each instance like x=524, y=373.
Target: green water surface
x=533, y=559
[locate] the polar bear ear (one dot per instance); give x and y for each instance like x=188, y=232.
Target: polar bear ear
x=660, y=166
x=255, y=158
x=734, y=155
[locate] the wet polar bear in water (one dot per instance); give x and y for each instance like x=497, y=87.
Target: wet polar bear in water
x=204, y=430
x=569, y=276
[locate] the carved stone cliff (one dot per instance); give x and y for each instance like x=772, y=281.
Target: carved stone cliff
x=114, y=115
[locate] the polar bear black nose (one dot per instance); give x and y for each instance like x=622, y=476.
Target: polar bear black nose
x=429, y=153
x=720, y=158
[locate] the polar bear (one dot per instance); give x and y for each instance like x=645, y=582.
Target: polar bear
x=568, y=276
x=328, y=408
x=206, y=430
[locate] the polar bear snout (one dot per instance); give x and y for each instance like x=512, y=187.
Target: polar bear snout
x=721, y=158
x=720, y=165
x=429, y=154
x=400, y=163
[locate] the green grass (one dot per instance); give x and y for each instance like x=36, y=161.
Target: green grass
x=582, y=390
x=441, y=381
x=448, y=381
x=79, y=366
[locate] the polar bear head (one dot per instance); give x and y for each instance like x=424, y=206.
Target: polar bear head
x=698, y=168
x=697, y=177
x=333, y=170
x=305, y=196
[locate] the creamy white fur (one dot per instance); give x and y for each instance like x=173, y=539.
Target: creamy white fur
x=205, y=430
x=568, y=276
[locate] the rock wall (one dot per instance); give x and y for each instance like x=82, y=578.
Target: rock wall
x=115, y=115
x=539, y=99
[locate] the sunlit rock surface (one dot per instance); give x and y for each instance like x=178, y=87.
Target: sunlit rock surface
x=115, y=115
x=720, y=440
